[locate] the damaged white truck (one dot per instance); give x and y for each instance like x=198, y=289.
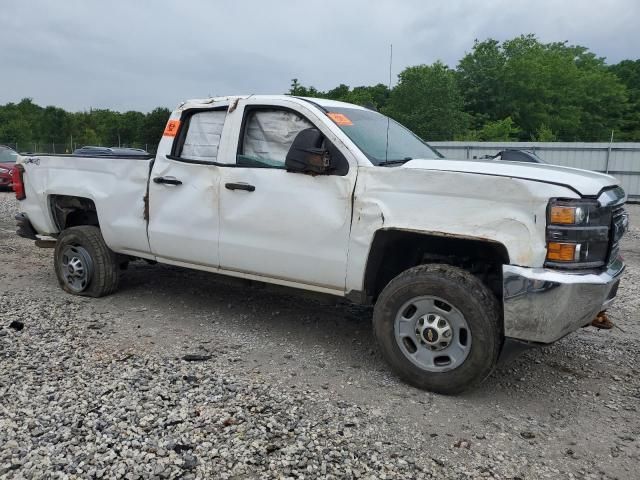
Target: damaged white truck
x=463, y=260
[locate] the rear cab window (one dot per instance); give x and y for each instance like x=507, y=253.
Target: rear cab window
x=200, y=136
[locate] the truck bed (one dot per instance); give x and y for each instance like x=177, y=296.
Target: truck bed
x=117, y=185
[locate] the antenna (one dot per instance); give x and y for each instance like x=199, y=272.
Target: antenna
x=386, y=149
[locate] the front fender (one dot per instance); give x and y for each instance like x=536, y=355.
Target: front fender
x=507, y=211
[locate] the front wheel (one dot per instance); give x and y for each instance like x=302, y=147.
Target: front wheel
x=84, y=264
x=438, y=327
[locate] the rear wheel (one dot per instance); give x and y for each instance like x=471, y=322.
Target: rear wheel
x=438, y=328
x=84, y=264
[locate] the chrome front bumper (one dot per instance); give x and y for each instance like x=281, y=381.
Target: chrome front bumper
x=543, y=305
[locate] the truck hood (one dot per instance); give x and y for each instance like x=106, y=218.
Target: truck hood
x=583, y=182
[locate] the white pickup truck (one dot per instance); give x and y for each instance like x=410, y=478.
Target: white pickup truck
x=463, y=260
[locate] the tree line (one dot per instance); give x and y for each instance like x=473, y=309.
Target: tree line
x=31, y=127
x=518, y=89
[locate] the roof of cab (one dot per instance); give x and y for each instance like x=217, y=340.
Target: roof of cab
x=326, y=103
x=323, y=102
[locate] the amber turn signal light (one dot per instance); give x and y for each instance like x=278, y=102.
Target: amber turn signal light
x=562, y=252
x=562, y=215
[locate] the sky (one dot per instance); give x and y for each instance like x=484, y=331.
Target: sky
x=138, y=55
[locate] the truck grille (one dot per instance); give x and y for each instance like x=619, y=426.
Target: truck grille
x=619, y=225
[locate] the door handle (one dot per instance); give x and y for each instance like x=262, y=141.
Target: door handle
x=239, y=186
x=167, y=180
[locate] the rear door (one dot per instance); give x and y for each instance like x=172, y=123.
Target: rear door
x=184, y=191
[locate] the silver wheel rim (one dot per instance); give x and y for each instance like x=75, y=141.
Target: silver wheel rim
x=432, y=333
x=76, y=267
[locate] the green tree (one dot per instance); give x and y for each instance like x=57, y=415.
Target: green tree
x=378, y=93
x=375, y=97
x=427, y=100
x=480, y=79
x=562, y=86
x=153, y=126
x=341, y=92
x=54, y=125
x=88, y=136
x=130, y=127
x=16, y=131
x=544, y=134
x=499, y=131
x=296, y=88
x=628, y=72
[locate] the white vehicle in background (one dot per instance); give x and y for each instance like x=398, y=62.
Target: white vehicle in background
x=463, y=260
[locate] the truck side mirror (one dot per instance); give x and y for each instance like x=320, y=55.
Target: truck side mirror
x=307, y=155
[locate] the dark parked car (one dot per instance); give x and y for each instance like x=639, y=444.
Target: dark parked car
x=129, y=151
x=8, y=157
x=513, y=155
x=91, y=151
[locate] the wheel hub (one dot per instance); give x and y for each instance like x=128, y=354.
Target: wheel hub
x=76, y=267
x=434, y=331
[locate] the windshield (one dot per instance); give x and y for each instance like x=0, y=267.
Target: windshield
x=368, y=130
x=7, y=155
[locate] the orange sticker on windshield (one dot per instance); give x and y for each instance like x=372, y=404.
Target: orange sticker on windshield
x=340, y=119
x=171, y=129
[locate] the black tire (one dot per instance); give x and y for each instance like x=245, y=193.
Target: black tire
x=104, y=272
x=470, y=296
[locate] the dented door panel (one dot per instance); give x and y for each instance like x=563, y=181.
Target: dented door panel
x=183, y=219
x=292, y=226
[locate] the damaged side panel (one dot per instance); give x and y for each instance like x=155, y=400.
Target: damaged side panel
x=116, y=186
x=499, y=209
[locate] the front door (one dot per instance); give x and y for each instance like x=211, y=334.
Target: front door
x=278, y=224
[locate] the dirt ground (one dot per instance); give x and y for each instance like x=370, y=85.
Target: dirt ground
x=570, y=410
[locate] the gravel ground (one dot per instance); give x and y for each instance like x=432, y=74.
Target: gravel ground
x=183, y=374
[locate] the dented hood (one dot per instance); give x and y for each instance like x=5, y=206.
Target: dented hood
x=583, y=182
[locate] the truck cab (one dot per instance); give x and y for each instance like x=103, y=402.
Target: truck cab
x=461, y=259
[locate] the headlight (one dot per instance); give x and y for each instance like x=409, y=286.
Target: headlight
x=4, y=170
x=565, y=215
x=577, y=233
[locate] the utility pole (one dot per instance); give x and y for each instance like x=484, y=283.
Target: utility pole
x=606, y=170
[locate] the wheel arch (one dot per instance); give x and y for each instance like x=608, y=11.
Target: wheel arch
x=396, y=250
x=72, y=211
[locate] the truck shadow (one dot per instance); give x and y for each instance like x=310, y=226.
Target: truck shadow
x=315, y=338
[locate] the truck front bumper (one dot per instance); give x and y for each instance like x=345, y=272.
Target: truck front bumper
x=543, y=305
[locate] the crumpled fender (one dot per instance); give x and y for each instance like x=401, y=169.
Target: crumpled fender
x=509, y=211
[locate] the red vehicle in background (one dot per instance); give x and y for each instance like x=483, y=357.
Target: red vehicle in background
x=8, y=157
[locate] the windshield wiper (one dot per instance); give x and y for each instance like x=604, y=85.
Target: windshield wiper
x=396, y=161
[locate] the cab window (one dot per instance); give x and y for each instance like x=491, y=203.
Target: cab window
x=202, y=139
x=267, y=136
